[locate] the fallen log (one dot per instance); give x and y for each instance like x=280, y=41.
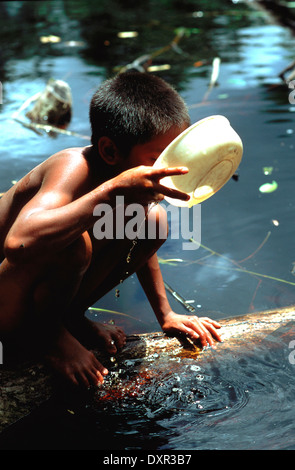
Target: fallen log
x=146, y=358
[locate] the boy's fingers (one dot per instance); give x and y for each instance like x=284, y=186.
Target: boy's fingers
x=205, y=330
x=197, y=331
x=213, y=332
x=160, y=173
x=213, y=322
x=174, y=193
x=211, y=326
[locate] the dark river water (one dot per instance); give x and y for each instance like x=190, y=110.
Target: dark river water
x=246, y=261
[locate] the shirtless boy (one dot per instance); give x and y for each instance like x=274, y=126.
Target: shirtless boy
x=53, y=267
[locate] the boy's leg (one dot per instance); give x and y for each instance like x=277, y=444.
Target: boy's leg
x=109, y=267
x=34, y=298
x=29, y=289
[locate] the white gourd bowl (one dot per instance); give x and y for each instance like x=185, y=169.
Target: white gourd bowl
x=211, y=150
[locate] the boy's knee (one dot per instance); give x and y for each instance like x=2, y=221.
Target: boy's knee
x=78, y=255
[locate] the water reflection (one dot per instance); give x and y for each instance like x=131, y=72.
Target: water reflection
x=91, y=29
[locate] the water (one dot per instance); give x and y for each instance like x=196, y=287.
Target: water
x=246, y=229
x=240, y=398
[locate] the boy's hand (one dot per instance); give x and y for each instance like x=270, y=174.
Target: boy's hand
x=203, y=329
x=141, y=184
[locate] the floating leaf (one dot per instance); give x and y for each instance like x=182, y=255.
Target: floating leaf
x=223, y=96
x=158, y=68
x=51, y=38
x=74, y=43
x=105, y=310
x=268, y=187
x=215, y=70
x=127, y=34
x=267, y=170
x=197, y=14
x=186, y=31
x=170, y=261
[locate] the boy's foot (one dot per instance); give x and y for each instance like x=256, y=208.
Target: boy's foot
x=70, y=360
x=108, y=338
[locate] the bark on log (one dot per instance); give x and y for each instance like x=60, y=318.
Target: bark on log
x=143, y=360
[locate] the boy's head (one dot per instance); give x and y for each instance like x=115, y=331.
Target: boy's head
x=133, y=108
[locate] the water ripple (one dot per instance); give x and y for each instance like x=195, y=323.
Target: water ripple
x=195, y=394
x=233, y=401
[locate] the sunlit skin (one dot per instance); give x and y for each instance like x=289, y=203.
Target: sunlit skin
x=53, y=268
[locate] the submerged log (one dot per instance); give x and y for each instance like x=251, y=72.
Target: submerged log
x=51, y=113
x=146, y=359
x=53, y=105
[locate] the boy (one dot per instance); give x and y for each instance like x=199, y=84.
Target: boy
x=53, y=267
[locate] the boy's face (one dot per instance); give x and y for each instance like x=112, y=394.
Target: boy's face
x=146, y=154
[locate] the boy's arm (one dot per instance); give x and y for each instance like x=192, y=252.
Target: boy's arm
x=204, y=329
x=52, y=219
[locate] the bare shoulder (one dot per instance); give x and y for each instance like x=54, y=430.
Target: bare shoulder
x=66, y=173
x=62, y=178
x=68, y=169
x=68, y=161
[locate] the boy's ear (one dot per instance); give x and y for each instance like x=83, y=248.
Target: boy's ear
x=108, y=150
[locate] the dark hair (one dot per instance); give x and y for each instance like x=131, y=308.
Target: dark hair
x=134, y=107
